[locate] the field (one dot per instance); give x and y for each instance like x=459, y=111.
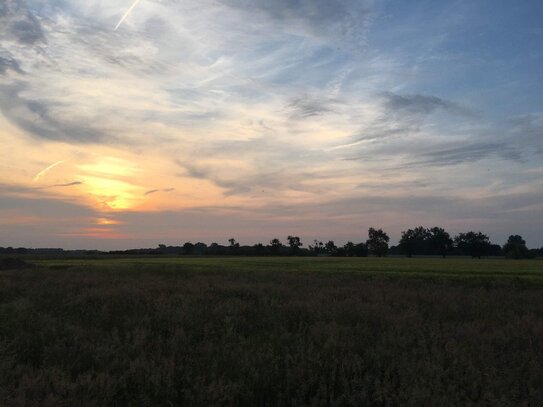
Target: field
x=272, y=331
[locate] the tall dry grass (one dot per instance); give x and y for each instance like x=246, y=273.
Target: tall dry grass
x=98, y=336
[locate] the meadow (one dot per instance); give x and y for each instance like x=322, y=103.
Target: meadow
x=272, y=331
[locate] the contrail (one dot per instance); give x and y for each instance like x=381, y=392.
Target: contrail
x=44, y=171
x=126, y=14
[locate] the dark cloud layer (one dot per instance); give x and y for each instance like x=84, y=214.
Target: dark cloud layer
x=243, y=183
x=319, y=18
x=404, y=115
x=9, y=63
x=19, y=23
x=35, y=117
x=421, y=105
x=527, y=131
x=69, y=184
x=465, y=154
x=154, y=191
x=306, y=106
x=39, y=204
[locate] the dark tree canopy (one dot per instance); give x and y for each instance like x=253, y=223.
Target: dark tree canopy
x=294, y=243
x=440, y=241
x=415, y=241
x=275, y=246
x=234, y=246
x=188, y=248
x=515, y=248
x=317, y=247
x=349, y=249
x=377, y=242
x=474, y=244
x=330, y=248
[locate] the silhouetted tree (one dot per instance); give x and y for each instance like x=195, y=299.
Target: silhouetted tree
x=349, y=249
x=275, y=246
x=188, y=248
x=234, y=246
x=414, y=241
x=439, y=241
x=200, y=248
x=475, y=244
x=361, y=250
x=294, y=243
x=515, y=248
x=331, y=248
x=317, y=247
x=260, y=249
x=377, y=242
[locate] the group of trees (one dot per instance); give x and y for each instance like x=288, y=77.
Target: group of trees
x=433, y=241
x=437, y=241
x=414, y=242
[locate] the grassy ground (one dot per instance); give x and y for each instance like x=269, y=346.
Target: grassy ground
x=461, y=268
x=272, y=331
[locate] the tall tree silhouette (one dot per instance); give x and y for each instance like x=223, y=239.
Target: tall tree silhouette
x=515, y=248
x=377, y=242
x=440, y=241
x=294, y=243
x=475, y=244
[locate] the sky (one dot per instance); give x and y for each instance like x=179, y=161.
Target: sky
x=255, y=119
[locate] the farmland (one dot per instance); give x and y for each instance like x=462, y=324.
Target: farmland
x=272, y=331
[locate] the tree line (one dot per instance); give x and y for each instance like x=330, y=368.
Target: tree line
x=419, y=241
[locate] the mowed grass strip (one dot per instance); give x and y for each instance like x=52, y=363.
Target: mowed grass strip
x=169, y=334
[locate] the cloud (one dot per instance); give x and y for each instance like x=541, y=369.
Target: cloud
x=324, y=19
x=154, y=191
x=66, y=185
x=9, y=63
x=307, y=106
x=19, y=23
x=527, y=131
x=405, y=115
x=464, y=154
x=36, y=118
x=237, y=181
x=253, y=95
x=421, y=105
x=39, y=203
x=69, y=184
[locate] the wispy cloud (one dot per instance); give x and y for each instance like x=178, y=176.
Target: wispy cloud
x=68, y=184
x=306, y=107
x=464, y=154
x=154, y=191
x=9, y=63
x=17, y=22
x=422, y=105
x=36, y=118
x=324, y=109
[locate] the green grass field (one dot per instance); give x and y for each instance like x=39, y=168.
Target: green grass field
x=462, y=268
x=272, y=331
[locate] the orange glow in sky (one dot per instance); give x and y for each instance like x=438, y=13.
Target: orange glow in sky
x=214, y=119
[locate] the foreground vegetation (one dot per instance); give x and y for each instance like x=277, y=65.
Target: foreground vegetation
x=272, y=331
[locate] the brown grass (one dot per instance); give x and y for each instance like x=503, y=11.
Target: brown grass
x=157, y=338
